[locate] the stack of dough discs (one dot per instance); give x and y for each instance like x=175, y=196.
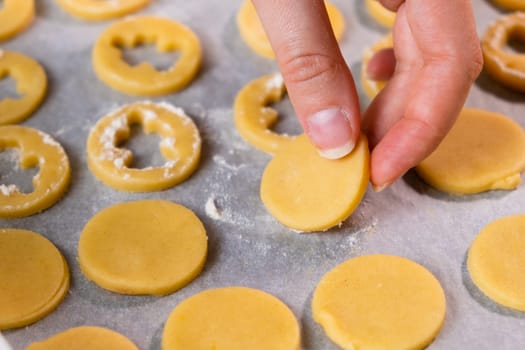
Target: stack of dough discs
x=232, y=318
x=143, y=247
x=307, y=192
x=496, y=261
x=380, y=302
x=483, y=151
x=34, y=277
x=85, y=338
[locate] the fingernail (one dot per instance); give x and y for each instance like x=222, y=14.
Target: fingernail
x=380, y=188
x=331, y=132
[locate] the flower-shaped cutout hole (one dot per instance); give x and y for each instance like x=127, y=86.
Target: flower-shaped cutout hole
x=13, y=176
x=160, y=58
x=516, y=41
x=50, y=182
x=8, y=88
x=180, y=145
x=144, y=79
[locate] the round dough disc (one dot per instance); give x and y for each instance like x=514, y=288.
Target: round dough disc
x=306, y=192
x=233, y=318
x=483, y=151
x=379, y=302
x=34, y=277
x=85, y=338
x=496, y=261
x=143, y=247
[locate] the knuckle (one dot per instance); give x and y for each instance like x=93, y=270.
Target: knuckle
x=311, y=68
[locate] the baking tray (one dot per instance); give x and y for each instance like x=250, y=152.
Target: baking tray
x=246, y=245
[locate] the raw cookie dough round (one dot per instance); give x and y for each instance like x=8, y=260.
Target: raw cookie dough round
x=143, y=79
x=34, y=277
x=254, y=36
x=380, y=13
x=379, y=302
x=36, y=149
x=143, y=247
x=85, y=338
x=97, y=10
x=518, y=5
x=306, y=192
x=233, y=318
x=373, y=87
x=31, y=84
x=504, y=66
x=180, y=144
x=15, y=16
x=252, y=116
x=496, y=261
x=483, y=151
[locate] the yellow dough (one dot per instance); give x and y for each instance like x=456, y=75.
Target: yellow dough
x=253, y=33
x=232, y=318
x=143, y=247
x=49, y=184
x=483, y=151
x=15, y=16
x=144, y=79
x=85, y=338
x=31, y=83
x=373, y=87
x=503, y=65
x=306, y=192
x=380, y=13
x=97, y=10
x=34, y=277
x=496, y=261
x=517, y=5
x=252, y=116
x=380, y=302
x=180, y=145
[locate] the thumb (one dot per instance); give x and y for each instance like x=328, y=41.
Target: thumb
x=318, y=81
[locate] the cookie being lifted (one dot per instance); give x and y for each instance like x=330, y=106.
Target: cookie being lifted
x=306, y=192
x=483, y=151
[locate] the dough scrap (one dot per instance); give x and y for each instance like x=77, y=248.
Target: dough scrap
x=85, y=338
x=496, y=262
x=373, y=87
x=143, y=247
x=473, y=156
x=504, y=66
x=379, y=302
x=34, y=277
x=31, y=83
x=252, y=116
x=15, y=16
x=180, y=145
x=96, y=10
x=253, y=34
x=36, y=149
x=233, y=318
x=306, y=192
x=143, y=79
x=380, y=13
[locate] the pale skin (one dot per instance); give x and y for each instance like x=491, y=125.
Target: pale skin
x=435, y=60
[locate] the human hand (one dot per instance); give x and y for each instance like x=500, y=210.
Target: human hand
x=436, y=58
